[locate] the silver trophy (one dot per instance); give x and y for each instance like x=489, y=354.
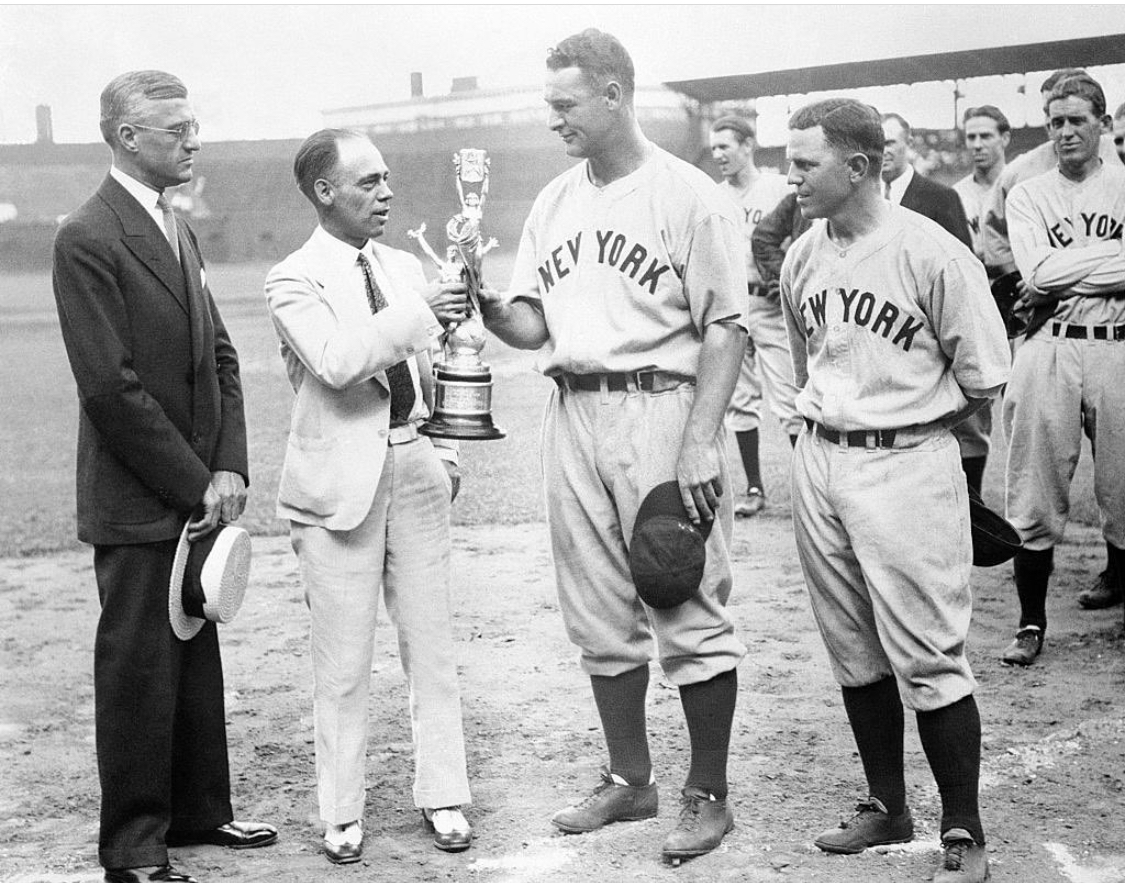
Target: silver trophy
x=463, y=383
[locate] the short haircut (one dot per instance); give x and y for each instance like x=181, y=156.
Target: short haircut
x=600, y=56
x=317, y=157
x=124, y=97
x=901, y=120
x=1079, y=86
x=741, y=127
x=993, y=113
x=849, y=126
x=1119, y=114
x=1061, y=73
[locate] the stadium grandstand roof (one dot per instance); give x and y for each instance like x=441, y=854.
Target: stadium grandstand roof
x=936, y=67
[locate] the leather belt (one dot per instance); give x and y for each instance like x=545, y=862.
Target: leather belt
x=857, y=438
x=400, y=435
x=757, y=289
x=645, y=381
x=1088, y=332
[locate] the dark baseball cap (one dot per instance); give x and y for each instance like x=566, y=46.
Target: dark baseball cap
x=668, y=553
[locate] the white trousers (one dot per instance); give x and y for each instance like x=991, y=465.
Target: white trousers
x=403, y=547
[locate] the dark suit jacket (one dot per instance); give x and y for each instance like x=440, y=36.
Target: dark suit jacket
x=940, y=204
x=158, y=383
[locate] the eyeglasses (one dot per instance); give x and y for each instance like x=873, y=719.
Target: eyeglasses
x=183, y=131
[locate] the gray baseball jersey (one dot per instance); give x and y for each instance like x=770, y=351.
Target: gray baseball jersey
x=891, y=332
x=1067, y=378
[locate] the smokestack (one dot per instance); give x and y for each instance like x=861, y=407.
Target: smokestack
x=44, y=131
x=416, y=85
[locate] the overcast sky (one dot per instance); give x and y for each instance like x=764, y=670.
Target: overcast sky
x=266, y=71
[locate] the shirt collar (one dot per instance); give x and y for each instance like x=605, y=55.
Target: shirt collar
x=142, y=193
x=899, y=184
x=339, y=252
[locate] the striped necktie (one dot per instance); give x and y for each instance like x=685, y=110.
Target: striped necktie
x=169, y=223
x=398, y=376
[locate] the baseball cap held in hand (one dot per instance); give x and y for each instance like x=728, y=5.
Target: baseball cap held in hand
x=209, y=579
x=668, y=553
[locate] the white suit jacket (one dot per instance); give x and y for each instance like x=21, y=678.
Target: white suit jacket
x=336, y=354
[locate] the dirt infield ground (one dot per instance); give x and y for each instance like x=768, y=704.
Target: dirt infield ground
x=1053, y=790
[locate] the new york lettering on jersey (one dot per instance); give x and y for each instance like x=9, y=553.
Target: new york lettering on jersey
x=613, y=249
x=863, y=309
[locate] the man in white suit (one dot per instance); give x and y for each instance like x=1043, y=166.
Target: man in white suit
x=366, y=496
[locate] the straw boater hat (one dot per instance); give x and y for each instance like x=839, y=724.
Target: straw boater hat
x=209, y=578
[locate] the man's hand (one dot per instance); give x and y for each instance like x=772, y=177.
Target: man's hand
x=223, y=502
x=454, y=472
x=698, y=472
x=1031, y=297
x=449, y=301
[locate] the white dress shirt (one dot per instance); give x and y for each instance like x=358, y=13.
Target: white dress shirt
x=899, y=185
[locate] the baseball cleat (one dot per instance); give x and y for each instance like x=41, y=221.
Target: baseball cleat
x=612, y=800
x=871, y=825
x=1102, y=594
x=963, y=860
x=1025, y=648
x=704, y=822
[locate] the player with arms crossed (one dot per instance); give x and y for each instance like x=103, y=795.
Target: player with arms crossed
x=630, y=273
x=894, y=338
x=766, y=361
x=1065, y=228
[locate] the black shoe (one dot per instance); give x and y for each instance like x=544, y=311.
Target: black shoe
x=871, y=825
x=1105, y=592
x=166, y=874
x=1026, y=648
x=704, y=822
x=234, y=835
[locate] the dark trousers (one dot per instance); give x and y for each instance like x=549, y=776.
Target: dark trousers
x=160, y=722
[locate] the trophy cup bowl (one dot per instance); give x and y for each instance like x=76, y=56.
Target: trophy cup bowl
x=462, y=382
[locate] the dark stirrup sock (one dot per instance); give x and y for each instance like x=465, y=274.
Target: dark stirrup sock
x=748, y=451
x=709, y=711
x=951, y=739
x=1033, y=571
x=875, y=713
x=621, y=706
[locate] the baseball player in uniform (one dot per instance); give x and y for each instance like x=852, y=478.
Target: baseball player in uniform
x=766, y=362
x=630, y=274
x=987, y=136
x=1065, y=229
x=894, y=338
x=1106, y=588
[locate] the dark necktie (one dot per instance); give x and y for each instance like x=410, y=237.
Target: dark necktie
x=398, y=376
x=169, y=223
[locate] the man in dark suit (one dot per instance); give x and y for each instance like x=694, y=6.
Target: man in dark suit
x=161, y=442
x=941, y=204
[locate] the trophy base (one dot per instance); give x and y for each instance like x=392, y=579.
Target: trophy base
x=460, y=430
x=462, y=403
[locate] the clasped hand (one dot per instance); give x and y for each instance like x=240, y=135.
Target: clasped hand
x=223, y=502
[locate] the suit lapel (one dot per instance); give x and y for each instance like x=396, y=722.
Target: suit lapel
x=145, y=240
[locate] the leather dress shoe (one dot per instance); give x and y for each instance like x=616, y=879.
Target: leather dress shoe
x=346, y=845
x=166, y=873
x=452, y=832
x=235, y=835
